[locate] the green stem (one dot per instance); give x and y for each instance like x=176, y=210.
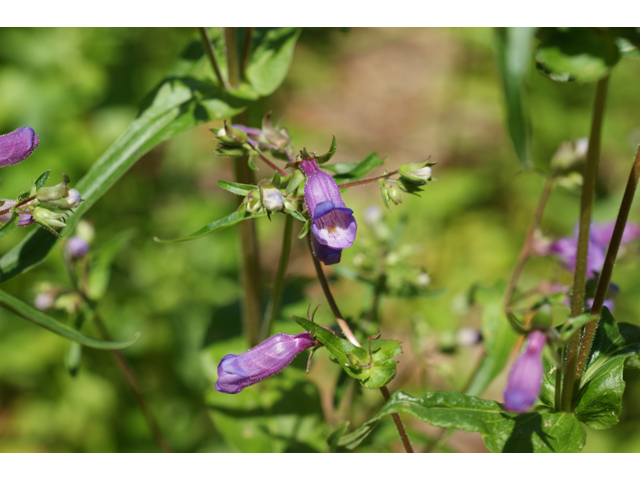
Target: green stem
x=245, y=51
x=276, y=297
x=609, y=262
x=586, y=203
x=208, y=47
x=233, y=64
x=351, y=337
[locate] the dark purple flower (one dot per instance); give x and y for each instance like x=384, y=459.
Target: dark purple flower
x=17, y=145
x=77, y=247
x=332, y=223
x=599, y=238
x=525, y=379
x=25, y=218
x=236, y=372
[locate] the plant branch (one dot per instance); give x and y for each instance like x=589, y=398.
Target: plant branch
x=609, y=262
x=349, y=334
x=525, y=252
x=245, y=52
x=586, y=203
x=208, y=47
x=367, y=180
x=276, y=296
x=233, y=65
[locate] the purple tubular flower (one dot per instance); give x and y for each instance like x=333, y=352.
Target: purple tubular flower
x=25, y=218
x=235, y=372
x=332, y=223
x=599, y=238
x=17, y=145
x=525, y=379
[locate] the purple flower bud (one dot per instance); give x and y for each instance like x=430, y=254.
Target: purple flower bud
x=25, y=218
x=525, y=379
x=236, y=372
x=333, y=225
x=77, y=247
x=17, y=145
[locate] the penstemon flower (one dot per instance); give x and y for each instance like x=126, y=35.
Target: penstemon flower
x=235, y=372
x=17, y=145
x=525, y=379
x=25, y=218
x=332, y=223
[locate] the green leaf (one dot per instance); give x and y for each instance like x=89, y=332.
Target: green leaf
x=498, y=337
x=501, y=431
x=599, y=398
x=100, y=271
x=232, y=219
x=327, y=156
x=269, y=62
x=348, y=172
x=297, y=215
x=514, y=52
x=582, y=54
x=42, y=179
x=11, y=225
x=43, y=320
x=237, y=188
x=628, y=41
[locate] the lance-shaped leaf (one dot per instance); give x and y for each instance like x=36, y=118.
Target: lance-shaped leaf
x=599, y=397
x=237, y=188
x=43, y=320
x=351, y=171
x=229, y=220
x=514, y=52
x=500, y=430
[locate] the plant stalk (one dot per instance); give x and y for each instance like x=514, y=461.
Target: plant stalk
x=586, y=203
x=607, y=269
x=245, y=52
x=367, y=180
x=351, y=337
x=233, y=63
x=208, y=47
x=276, y=296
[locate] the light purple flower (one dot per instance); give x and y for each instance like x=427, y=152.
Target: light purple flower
x=235, y=372
x=17, y=145
x=25, y=218
x=599, y=238
x=332, y=223
x=77, y=247
x=525, y=379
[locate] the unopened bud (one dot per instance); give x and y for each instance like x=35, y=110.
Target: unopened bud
x=417, y=173
x=252, y=201
x=48, y=218
x=44, y=300
x=77, y=247
x=47, y=194
x=272, y=198
x=230, y=135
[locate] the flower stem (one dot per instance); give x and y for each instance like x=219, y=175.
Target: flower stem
x=245, y=51
x=269, y=162
x=367, y=180
x=349, y=334
x=586, y=203
x=525, y=252
x=206, y=41
x=609, y=262
x=276, y=297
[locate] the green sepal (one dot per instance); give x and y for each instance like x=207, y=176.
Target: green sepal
x=408, y=186
x=251, y=164
x=226, y=151
x=42, y=179
x=385, y=193
x=297, y=177
x=297, y=215
x=23, y=196
x=237, y=188
x=327, y=156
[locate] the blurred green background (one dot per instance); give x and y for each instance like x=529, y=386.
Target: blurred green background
x=403, y=93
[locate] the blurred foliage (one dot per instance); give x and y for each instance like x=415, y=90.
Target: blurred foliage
x=403, y=93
